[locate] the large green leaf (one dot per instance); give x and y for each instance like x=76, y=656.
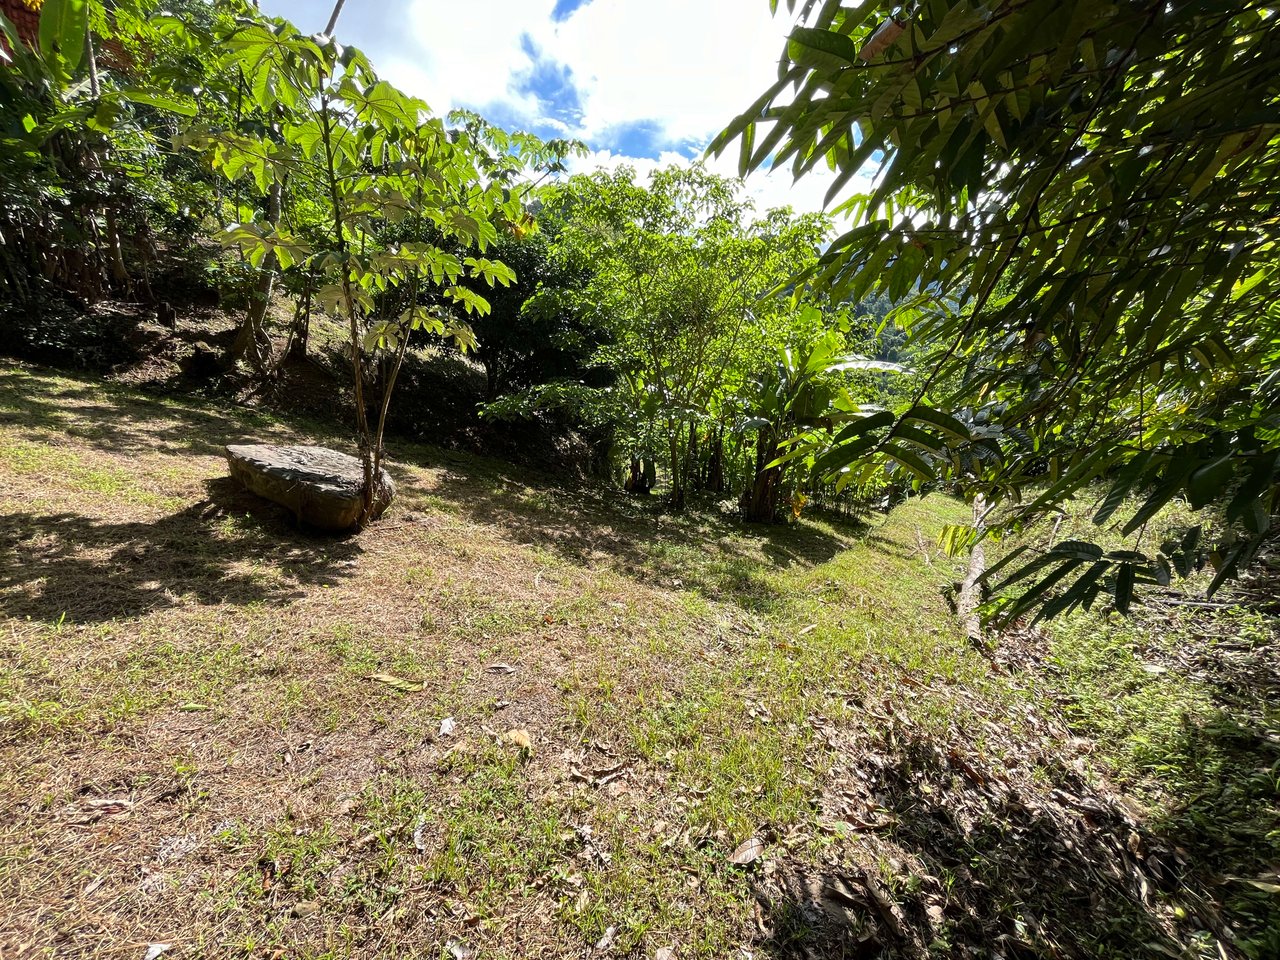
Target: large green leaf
x=64, y=32
x=151, y=98
x=821, y=48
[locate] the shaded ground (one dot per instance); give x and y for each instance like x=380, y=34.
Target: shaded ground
x=662, y=733
x=437, y=397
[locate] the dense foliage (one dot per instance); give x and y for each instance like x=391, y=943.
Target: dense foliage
x=1076, y=205
x=690, y=291
x=378, y=158
x=81, y=153
x=1071, y=223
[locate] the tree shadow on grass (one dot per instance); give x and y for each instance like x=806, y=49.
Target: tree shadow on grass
x=1227, y=817
x=1040, y=860
x=117, y=420
x=701, y=550
x=231, y=547
x=1216, y=764
x=970, y=863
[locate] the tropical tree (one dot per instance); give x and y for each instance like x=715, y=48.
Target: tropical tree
x=539, y=329
x=793, y=404
x=785, y=399
x=1075, y=206
x=682, y=280
x=80, y=151
x=378, y=156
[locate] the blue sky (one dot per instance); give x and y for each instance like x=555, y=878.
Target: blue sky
x=642, y=82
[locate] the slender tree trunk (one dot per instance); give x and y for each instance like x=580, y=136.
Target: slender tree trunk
x=715, y=470
x=147, y=252
x=368, y=460
x=115, y=254
x=301, y=331
x=760, y=505
x=92, y=281
x=370, y=456
x=492, y=380
x=95, y=90
x=116, y=268
x=970, y=595
x=677, y=484
x=252, y=343
x=333, y=18
x=691, y=480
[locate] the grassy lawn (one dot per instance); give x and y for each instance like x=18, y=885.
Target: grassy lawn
x=618, y=732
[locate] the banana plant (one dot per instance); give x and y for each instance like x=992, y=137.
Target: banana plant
x=795, y=404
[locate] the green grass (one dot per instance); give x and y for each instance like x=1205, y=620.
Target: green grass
x=1198, y=745
x=687, y=683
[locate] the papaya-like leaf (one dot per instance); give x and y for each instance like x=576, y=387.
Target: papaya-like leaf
x=150, y=98
x=63, y=32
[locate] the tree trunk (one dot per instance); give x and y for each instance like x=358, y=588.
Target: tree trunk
x=715, y=469
x=691, y=477
x=301, y=332
x=115, y=255
x=492, y=378
x=760, y=503
x=676, y=498
x=252, y=343
x=970, y=594
x=333, y=18
x=95, y=90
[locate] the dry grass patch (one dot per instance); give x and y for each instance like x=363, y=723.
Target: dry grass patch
x=193, y=751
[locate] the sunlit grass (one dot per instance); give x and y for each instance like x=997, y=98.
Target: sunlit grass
x=687, y=684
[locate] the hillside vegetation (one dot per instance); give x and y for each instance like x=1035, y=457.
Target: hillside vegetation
x=527, y=720
x=894, y=576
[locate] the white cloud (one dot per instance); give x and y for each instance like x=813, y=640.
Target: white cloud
x=685, y=67
x=691, y=66
x=466, y=52
x=767, y=189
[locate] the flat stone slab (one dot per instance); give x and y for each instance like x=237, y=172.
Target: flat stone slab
x=321, y=486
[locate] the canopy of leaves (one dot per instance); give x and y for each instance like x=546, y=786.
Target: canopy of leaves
x=1079, y=202
x=84, y=141
x=684, y=281
x=539, y=329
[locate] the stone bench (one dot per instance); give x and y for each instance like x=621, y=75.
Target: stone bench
x=322, y=487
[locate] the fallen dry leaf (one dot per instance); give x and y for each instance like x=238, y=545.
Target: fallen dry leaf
x=107, y=804
x=419, y=836
x=95, y=808
x=397, y=683
x=606, y=941
x=748, y=853
x=609, y=777
x=519, y=738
